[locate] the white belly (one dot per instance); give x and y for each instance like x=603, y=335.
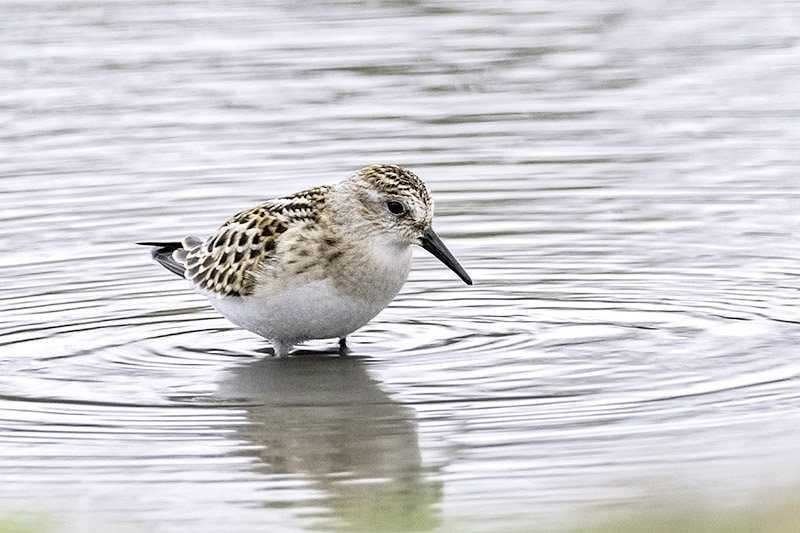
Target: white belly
x=314, y=310
x=287, y=308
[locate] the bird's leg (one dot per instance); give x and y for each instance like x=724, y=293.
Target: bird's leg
x=343, y=349
x=282, y=349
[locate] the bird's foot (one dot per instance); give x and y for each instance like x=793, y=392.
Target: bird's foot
x=282, y=349
x=344, y=351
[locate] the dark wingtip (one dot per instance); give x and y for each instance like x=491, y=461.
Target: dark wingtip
x=162, y=253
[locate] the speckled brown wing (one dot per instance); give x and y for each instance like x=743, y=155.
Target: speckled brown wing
x=226, y=263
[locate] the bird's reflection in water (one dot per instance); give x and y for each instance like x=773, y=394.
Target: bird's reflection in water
x=325, y=417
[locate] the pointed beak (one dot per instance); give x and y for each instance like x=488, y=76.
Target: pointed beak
x=431, y=242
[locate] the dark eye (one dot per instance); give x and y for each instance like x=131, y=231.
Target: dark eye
x=396, y=207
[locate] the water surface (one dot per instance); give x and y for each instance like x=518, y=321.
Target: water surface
x=619, y=178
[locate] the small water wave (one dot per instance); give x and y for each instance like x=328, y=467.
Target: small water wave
x=626, y=206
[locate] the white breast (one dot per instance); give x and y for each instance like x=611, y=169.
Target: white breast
x=317, y=309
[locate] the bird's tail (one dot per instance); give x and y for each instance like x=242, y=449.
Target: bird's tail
x=162, y=252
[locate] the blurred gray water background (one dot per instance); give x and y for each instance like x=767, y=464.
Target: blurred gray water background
x=620, y=178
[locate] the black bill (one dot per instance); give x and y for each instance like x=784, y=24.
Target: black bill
x=431, y=242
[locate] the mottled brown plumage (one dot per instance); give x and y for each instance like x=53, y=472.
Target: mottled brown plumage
x=316, y=264
x=396, y=180
x=227, y=262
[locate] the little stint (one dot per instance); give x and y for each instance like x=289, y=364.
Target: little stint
x=317, y=264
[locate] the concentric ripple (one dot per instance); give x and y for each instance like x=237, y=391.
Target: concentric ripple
x=617, y=368
x=619, y=179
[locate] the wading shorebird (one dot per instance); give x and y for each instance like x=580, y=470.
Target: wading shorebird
x=317, y=264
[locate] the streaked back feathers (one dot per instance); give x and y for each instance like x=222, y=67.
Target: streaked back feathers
x=226, y=263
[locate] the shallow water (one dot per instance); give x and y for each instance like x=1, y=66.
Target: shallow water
x=619, y=178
